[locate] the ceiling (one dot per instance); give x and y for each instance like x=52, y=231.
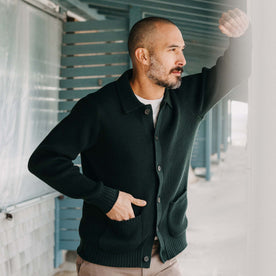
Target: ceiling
x=197, y=20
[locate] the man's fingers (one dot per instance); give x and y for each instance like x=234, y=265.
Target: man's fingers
x=237, y=19
x=131, y=215
x=242, y=16
x=138, y=202
x=233, y=23
x=225, y=31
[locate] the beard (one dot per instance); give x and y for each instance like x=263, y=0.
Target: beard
x=157, y=73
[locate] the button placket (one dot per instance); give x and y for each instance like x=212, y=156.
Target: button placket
x=159, y=171
x=147, y=111
x=146, y=259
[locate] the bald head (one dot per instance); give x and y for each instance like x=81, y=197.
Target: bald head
x=142, y=32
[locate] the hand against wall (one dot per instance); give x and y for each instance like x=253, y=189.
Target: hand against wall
x=233, y=23
x=122, y=209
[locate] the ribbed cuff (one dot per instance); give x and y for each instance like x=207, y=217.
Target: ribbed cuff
x=107, y=200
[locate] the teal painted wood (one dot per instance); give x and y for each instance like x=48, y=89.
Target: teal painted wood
x=69, y=245
x=69, y=235
x=202, y=146
x=94, y=37
x=70, y=224
x=96, y=82
x=214, y=130
x=198, y=153
x=75, y=94
x=94, y=71
x=219, y=134
x=70, y=213
x=86, y=77
x=94, y=48
x=225, y=122
x=208, y=145
x=203, y=6
x=93, y=60
x=66, y=105
x=62, y=115
x=57, y=248
x=68, y=202
x=95, y=25
x=135, y=14
x=169, y=8
x=217, y=130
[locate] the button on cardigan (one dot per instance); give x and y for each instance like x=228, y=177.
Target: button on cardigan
x=122, y=151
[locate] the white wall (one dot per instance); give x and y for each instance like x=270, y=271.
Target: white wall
x=27, y=241
x=30, y=51
x=262, y=142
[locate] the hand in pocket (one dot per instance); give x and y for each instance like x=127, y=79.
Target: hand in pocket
x=122, y=209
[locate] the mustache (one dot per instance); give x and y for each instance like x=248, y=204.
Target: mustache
x=177, y=69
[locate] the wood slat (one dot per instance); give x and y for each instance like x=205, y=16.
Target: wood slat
x=93, y=71
x=70, y=213
x=72, y=235
x=69, y=224
x=70, y=202
x=93, y=60
x=69, y=245
x=68, y=105
x=95, y=25
x=72, y=83
x=180, y=5
x=62, y=115
x=75, y=94
x=94, y=48
x=94, y=37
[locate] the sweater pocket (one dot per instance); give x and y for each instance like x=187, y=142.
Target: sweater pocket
x=122, y=236
x=177, y=220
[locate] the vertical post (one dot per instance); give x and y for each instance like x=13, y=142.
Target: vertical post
x=208, y=145
x=230, y=121
x=135, y=14
x=57, y=251
x=219, y=134
x=261, y=249
x=225, y=131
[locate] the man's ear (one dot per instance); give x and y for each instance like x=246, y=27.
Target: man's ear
x=142, y=56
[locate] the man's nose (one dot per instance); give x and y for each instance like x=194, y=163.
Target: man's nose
x=181, y=60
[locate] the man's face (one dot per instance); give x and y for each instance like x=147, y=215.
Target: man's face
x=166, y=56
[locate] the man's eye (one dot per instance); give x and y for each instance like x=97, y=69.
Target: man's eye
x=173, y=49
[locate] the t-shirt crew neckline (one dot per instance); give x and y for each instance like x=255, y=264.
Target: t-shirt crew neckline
x=155, y=104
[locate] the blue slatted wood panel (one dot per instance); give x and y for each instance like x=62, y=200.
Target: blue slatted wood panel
x=94, y=53
x=202, y=146
x=217, y=129
x=226, y=122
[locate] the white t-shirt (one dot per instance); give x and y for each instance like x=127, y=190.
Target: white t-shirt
x=155, y=104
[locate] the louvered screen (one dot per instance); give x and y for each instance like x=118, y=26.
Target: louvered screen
x=94, y=53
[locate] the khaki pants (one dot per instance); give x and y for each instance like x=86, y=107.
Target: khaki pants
x=169, y=268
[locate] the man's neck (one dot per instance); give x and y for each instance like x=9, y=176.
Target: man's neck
x=145, y=88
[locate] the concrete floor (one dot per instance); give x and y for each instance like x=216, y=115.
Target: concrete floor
x=217, y=216
x=217, y=221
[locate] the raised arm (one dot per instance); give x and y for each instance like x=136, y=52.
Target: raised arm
x=233, y=23
x=234, y=66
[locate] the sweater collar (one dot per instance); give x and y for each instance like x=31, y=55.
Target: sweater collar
x=127, y=96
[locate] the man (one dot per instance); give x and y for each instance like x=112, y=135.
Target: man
x=135, y=137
